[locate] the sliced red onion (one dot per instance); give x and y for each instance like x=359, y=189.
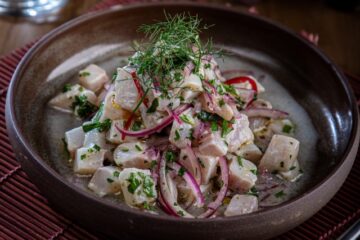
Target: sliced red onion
x=265, y=112
x=164, y=123
x=198, y=130
x=191, y=164
x=168, y=198
x=213, y=206
x=191, y=182
x=165, y=206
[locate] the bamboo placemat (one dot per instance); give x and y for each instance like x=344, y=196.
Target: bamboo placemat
x=26, y=214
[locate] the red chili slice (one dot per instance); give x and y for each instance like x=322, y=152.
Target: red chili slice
x=243, y=79
x=139, y=88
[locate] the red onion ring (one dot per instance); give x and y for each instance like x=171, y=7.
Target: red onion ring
x=168, y=199
x=213, y=206
x=190, y=180
x=164, y=123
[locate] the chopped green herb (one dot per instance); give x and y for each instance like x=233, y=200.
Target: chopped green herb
x=149, y=207
x=191, y=131
x=90, y=150
x=292, y=168
x=83, y=156
x=82, y=107
x=177, y=135
x=101, y=126
x=186, y=119
x=214, y=126
x=253, y=191
x=136, y=126
x=239, y=159
x=221, y=102
x=181, y=213
x=134, y=183
x=181, y=172
x=287, y=128
x=207, y=117
x=225, y=128
x=254, y=171
x=98, y=114
x=96, y=147
x=84, y=74
x=114, y=76
x=124, y=149
x=154, y=105
x=67, y=87
x=138, y=148
x=207, y=66
x=280, y=194
x=230, y=89
x=109, y=180
x=116, y=173
x=169, y=156
x=147, y=185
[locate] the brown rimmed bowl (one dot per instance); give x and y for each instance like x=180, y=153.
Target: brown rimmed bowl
x=308, y=75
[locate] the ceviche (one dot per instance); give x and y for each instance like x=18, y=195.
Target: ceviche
x=171, y=133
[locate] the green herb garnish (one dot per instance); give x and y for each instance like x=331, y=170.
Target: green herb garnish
x=116, y=173
x=100, y=126
x=214, y=126
x=67, y=87
x=84, y=74
x=239, y=159
x=186, y=119
x=177, y=135
x=154, y=105
x=169, y=156
x=138, y=148
x=109, y=180
x=280, y=194
x=287, y=128
x=134, y=183
x=82, y=107
x=225, y=129
x=181, y=172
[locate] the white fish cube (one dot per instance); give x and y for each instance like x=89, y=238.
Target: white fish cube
x=93, y=77
x=241, y=204
x=242, y=174
x=281, y=154
x=213, y=145
x=250, y=152
x=74, y=139
x=111, y=110
x=293, y=174
x=95, y=137
x=105, y=181
x=64, y=101
x=126, y=93
x=132, y=154
x=180, y=134
x=137, y=186
x=208, y=165
x=88, y=159
x=193, y=82
x=114, y=136
x=240, y=134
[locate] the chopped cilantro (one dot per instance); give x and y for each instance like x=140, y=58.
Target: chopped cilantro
x=186, y=119
x=230, y=89
x=136, y=126
x=114, y=76
x=124, y=149
x=147, y=185
x=221, y=102
x=181, y=172
x=153, y=164
x=153, y=106
x=253, y=191
x=207, y=117
x=101, y=126
x=82, y=107
x=138, y=148
x=67, y=87
x=280, y=194
x=116, y=173
x=177, y=135
x=254, y=171
x=214, y=126
x=181, y=213
x=287, y=128
x=225, y=128
x=83, y=156
x=149, y=207
x=239, y=159
x=84, y=74
x=207, y=66
x=109, y=180
x=169, y=156
x=96, y=147
x=134, y=183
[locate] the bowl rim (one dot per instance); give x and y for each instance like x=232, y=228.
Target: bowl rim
x=47, y=38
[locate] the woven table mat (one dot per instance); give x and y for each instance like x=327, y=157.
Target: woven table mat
x=26, y=214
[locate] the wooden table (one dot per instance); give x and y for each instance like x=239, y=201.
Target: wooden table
x=339, y=31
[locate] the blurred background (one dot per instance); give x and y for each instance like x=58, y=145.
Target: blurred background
x=336, y=22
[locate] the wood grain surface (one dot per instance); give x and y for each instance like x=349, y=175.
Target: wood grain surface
x=339, y=31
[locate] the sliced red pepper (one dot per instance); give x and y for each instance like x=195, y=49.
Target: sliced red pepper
x=243, y=79
x=128, y=124
x=139, y=88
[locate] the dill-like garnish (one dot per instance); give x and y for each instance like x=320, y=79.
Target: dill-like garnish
x=172, y=43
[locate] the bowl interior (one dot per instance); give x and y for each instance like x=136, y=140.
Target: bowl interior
x=298, y=80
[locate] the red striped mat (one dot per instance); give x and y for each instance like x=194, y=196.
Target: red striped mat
x=25, y=213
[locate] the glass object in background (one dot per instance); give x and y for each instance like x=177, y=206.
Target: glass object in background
x=37, y=10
